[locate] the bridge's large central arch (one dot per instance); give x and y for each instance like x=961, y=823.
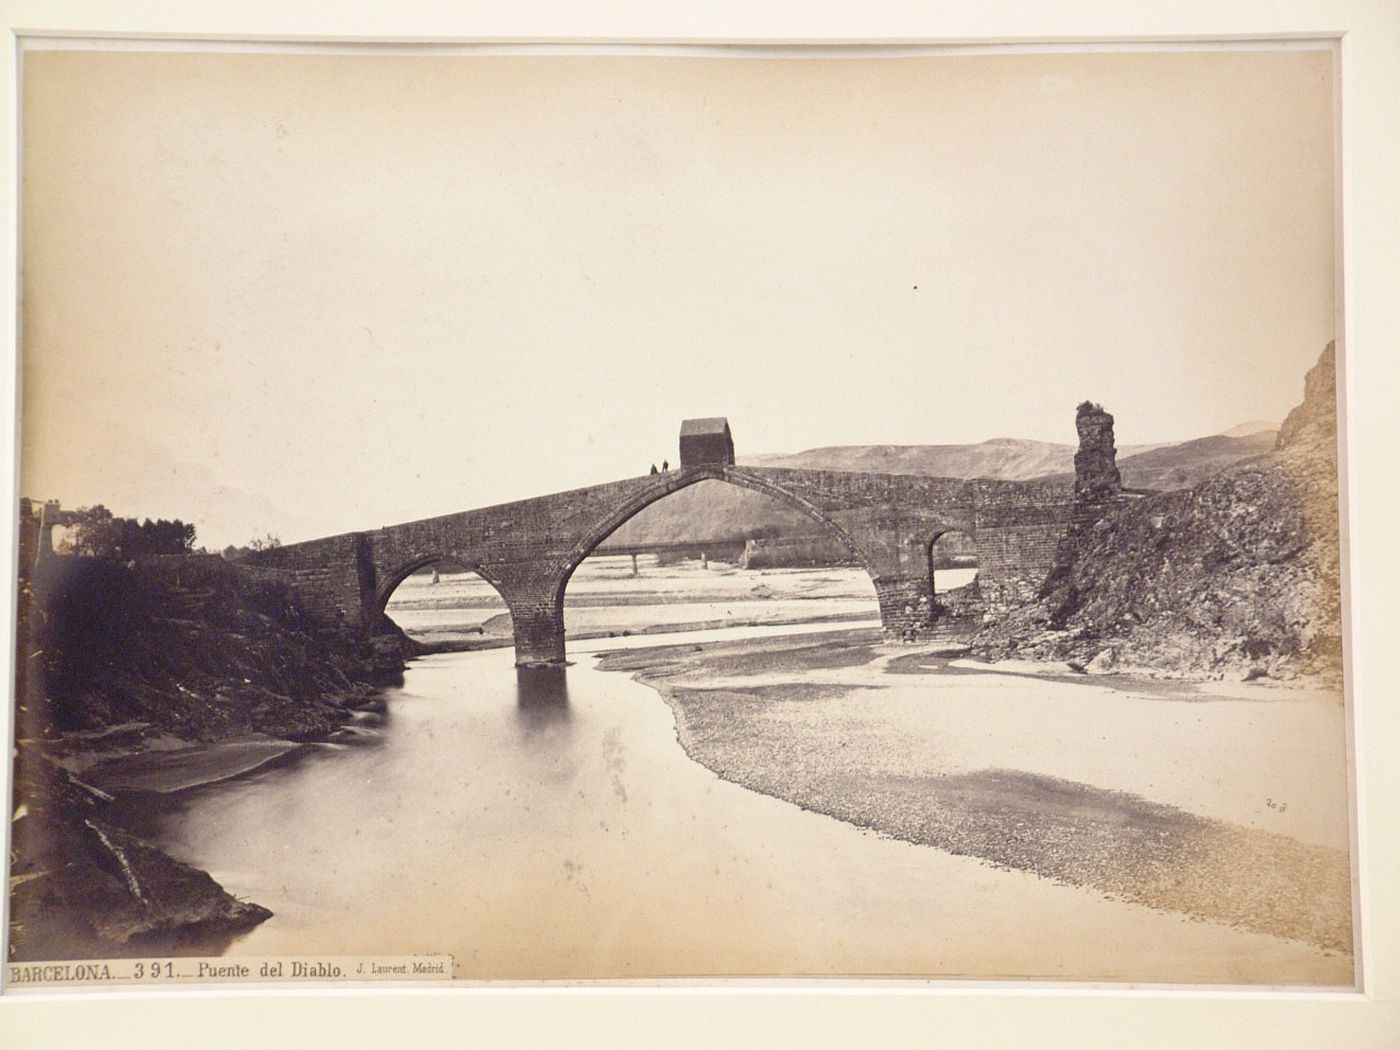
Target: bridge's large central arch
x=538, y=611
x=613, y=521
x=602, y=538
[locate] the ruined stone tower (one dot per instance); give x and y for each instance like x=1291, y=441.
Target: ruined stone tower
x=1096, y=474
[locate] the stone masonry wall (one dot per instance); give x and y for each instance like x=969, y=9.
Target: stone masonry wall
x=325, y=580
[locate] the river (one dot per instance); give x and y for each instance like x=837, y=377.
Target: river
x=549, y=825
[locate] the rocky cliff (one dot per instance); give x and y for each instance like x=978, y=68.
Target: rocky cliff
x=82, y=886
x=1238, y=576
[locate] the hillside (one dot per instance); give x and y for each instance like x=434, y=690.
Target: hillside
x=1186, y=463
x=1236, y=576
x=1011, y=459
x=1191, y=462
x=715, y=511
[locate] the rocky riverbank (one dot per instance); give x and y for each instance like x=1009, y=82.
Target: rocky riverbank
x=148, y=679
x=1236, y=577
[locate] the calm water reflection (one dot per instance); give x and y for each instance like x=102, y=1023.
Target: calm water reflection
x=539, y=823
x=541, y=696
x=547, y=824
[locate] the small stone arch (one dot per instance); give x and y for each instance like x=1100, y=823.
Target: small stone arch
x=967, y=599
x=385, y=590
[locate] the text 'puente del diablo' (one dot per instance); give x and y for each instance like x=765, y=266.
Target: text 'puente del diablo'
x=528, y=549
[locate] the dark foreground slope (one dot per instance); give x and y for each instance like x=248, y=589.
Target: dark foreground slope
x=189, y=644
x=1236, y=576
x=162, y=660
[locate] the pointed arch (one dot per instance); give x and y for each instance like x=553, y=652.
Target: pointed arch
x=667, y=485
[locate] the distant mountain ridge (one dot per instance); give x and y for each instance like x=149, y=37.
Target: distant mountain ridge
x=1012, y=459
x=1167, y=467
x=714, y=511
x=1252, y=427
x=1007, y=459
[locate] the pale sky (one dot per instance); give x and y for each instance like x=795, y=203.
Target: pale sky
x=315, y=293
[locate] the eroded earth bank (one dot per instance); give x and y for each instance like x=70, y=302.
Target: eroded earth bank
x=144, y=680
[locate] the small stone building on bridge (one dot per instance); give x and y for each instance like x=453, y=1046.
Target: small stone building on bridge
x=706, y=441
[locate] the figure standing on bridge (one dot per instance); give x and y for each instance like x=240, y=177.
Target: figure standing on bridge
x=665, y=466
x=653, y=468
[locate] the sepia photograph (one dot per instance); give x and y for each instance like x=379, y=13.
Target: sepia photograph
x=678, y=516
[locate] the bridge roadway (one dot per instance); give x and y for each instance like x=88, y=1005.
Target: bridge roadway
x=528, y=549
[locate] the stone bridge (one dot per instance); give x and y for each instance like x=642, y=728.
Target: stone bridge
x=527, y=550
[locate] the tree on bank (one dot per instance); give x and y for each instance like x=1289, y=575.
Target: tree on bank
x=94, y=532
x=265, y=542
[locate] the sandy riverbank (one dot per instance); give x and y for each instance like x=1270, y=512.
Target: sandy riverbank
x=1226, y=806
